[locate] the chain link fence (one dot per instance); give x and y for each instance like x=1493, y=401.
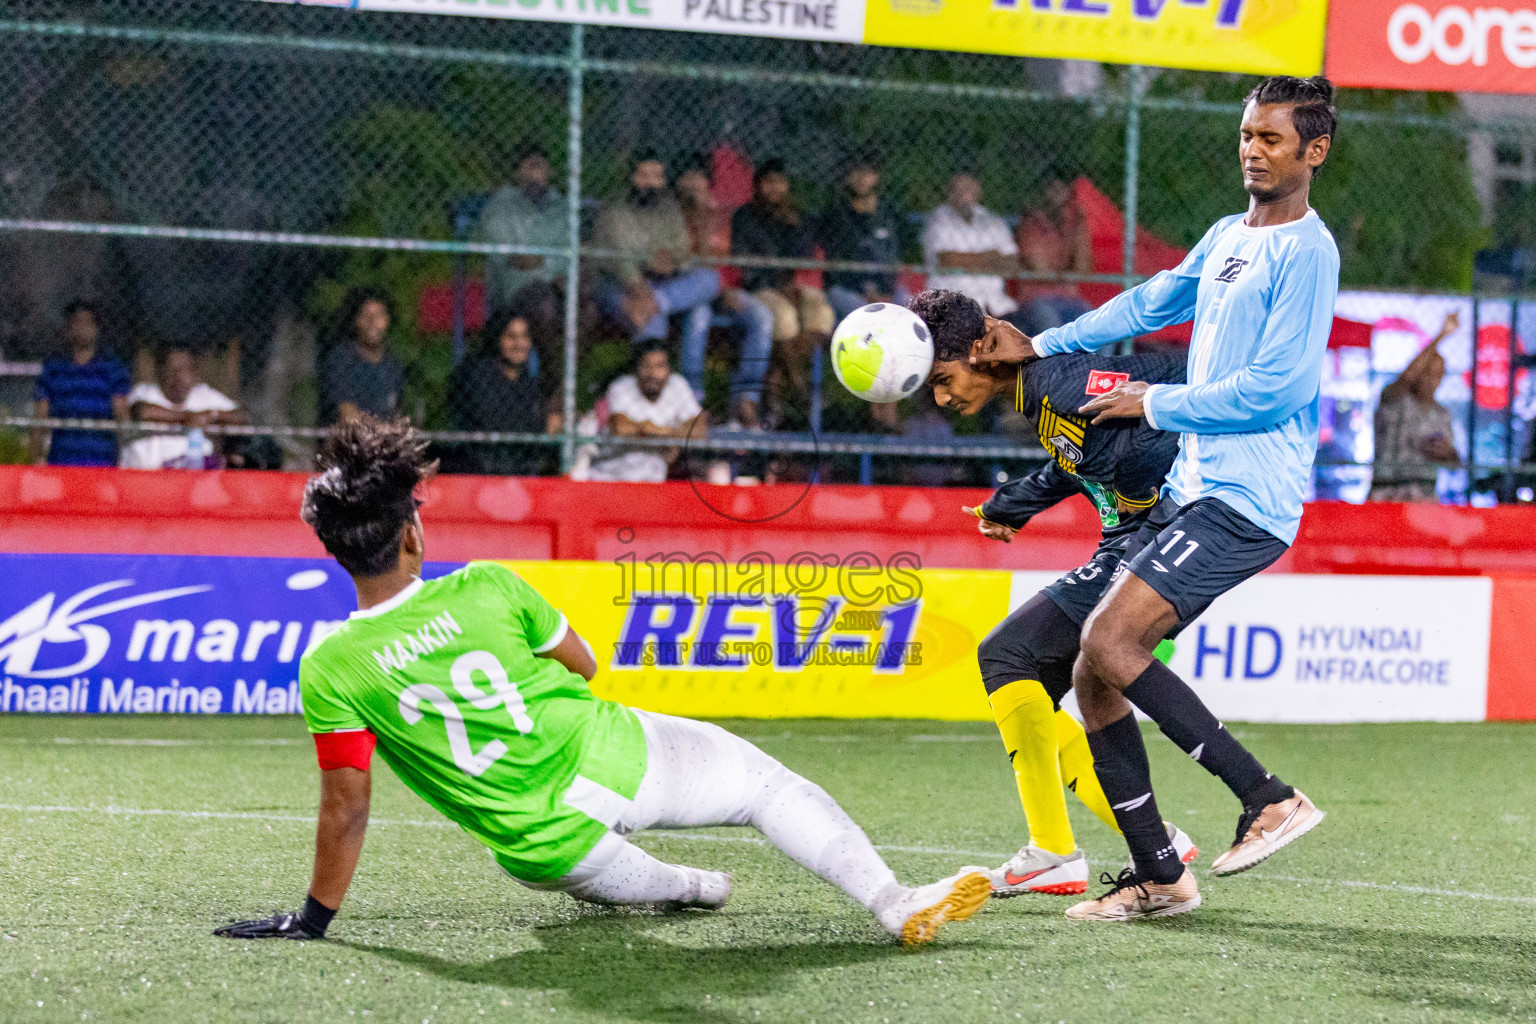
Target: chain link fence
x=308, y=210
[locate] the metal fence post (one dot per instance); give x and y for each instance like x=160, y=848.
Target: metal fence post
x=573, y=227
x=1132, y=170
x=1472, y=400
x=1507, y=490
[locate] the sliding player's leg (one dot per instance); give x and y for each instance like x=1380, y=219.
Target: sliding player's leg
x=699, y=775
x=618, y=873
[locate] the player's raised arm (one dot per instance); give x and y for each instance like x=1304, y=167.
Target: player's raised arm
x=1284, y=374
x=1019, y=500
x=1165, y=299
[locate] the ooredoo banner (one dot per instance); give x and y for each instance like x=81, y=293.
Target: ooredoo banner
x=1455, y=46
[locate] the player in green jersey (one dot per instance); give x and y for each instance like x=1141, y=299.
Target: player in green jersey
x=474, y=690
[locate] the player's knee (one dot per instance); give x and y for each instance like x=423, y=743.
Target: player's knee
x=1099, y=645
x=1108, y=653
x=1004, y=660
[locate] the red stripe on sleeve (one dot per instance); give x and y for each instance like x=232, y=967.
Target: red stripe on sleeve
x=345, y=749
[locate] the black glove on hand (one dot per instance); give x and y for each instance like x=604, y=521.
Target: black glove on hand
x=309, y=923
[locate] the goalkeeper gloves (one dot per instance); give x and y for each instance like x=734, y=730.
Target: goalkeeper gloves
x=309, y=923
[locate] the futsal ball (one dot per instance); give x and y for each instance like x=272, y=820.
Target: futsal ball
x=882, y=352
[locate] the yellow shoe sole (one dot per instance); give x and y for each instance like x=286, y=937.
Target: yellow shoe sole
x=969, y=895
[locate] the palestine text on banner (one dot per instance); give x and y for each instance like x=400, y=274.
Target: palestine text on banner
x=826, y=20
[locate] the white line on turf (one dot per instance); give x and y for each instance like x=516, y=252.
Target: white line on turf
x=1416, y=890
x=698, y=837
x=159, y=812
x=102, y=741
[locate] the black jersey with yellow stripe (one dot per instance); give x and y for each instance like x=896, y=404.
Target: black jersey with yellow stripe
x=1119, y=464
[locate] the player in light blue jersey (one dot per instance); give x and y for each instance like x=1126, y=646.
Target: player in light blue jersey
x=1260, y=289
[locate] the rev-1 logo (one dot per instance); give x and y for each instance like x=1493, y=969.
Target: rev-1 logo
x=660, y=631
x=22, y=635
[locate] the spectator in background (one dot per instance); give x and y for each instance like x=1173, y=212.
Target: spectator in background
x=529, y=212
x=492, y=390
x=1413, y=431
x=651, y=402
x=1053, y=240
x=358, y=375
x=83, y=384
x=654, y=278
x=177, y=396
x=969, y=248
x=709, y=230
x=771, y=225
x=861, y=226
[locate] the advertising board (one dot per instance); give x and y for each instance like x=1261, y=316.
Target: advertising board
x=812, y=636
x=1252, y=36
x=89, y=634
x=1448, y=45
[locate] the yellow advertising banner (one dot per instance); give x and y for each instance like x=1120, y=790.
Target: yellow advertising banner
x=1257, y=36
x=810, y=638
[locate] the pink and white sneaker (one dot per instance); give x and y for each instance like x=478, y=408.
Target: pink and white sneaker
x=1035, y=870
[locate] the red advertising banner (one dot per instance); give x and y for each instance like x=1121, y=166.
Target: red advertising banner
x=1459, y=46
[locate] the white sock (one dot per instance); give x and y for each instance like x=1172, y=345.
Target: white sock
x=634, y=876
x=798, y=817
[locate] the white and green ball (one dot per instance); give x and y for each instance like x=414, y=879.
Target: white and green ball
x=882, y=352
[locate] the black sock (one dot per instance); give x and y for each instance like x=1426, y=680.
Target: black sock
x=1120, y=761
x=1169, y=702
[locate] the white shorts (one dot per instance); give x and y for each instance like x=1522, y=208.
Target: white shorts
x=697, y=775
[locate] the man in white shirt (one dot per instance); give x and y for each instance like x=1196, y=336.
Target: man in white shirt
x=176, y=397
x=651, y=402
x=970, y=249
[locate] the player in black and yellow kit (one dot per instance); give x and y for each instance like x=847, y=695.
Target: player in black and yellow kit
x=1026, y=662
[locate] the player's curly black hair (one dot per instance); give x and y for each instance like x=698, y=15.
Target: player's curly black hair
x=955, y=320
x=364, y=495
x=1310, y=99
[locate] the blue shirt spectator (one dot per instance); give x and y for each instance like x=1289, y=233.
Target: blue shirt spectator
x=85, y=384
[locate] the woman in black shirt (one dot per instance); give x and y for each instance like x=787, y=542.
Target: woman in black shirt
x=494, y=390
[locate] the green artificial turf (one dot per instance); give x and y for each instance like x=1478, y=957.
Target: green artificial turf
x=1414, y=901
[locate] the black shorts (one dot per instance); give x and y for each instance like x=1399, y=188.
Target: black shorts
x=1078, y=591
x=1204, y=551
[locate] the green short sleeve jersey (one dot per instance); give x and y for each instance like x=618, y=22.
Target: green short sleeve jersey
x=512, y=747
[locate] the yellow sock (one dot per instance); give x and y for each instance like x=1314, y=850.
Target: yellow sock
x=1077, y=768
x=1023, y=713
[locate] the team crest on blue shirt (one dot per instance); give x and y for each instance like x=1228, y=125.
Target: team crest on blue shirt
x=1231, y=270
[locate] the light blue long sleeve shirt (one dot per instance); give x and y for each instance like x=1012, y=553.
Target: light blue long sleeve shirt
x=1262, y=304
